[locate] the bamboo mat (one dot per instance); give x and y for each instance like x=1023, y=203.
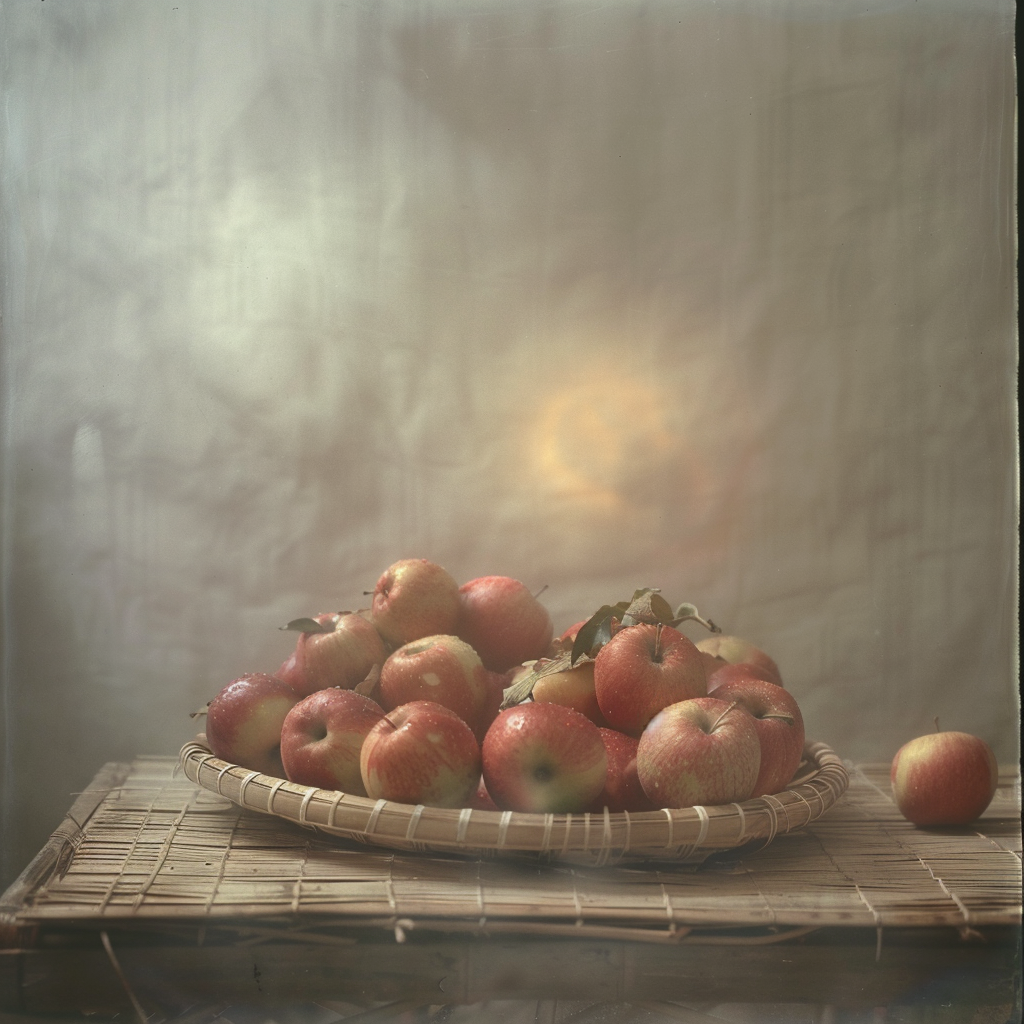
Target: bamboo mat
x=143, y=844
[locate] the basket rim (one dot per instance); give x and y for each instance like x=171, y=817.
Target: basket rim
x=675, y=833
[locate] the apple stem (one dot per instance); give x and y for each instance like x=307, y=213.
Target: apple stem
x=714, y=724
x=785, y=718
x=936, y=720
x=541, y=591
x=657, y=643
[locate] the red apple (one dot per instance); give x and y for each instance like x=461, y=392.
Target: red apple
x=243, y=722
x=726, y=672
x=700, y=751
x=779, y=724
x=543, y=758
x=421, y=753
x=734, y=650
x=503, y=622
x=414, y=598
x=622, y=790
x=442, y=669
x=944, y=778
x=341, y=656
x=321, y=738
x=643, y=669
x=572, y=688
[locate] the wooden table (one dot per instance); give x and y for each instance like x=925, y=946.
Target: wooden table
x=155, y=897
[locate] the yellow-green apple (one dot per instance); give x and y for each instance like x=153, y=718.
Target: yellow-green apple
x=734, y=650
x=503, y=622
x=643, y=669
x=700, y=751
x=779, y=724
x=243, y=722
x=442, y=669
x=727, y=672
x=543, y=758
x=414, y=598
x=321, y=738
x=572, y=688
x=421, y=753
x=622, y=790
x=341, y=653
x=944, y=778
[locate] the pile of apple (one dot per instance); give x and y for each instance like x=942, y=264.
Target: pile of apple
x=454, y=696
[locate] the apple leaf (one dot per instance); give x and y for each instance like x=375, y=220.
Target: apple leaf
x=689, y=611
x=596, y=631
x=307, y=625
x=648, y=606
x=369, y=684
x=522, y=688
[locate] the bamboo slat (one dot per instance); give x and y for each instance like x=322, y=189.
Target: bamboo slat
x=157, y=849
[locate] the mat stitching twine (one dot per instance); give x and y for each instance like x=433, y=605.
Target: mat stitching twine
x=371, y=822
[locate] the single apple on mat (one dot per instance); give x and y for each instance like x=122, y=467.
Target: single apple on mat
x=503, y=622
x=322, y=736
x=543, y=758
x=944, y=778
x=622, y=790
x=414, y=598
x=643, y=669
x=442, y=669
x=779, y=724
x=243, y=722
x=735, y=650
x=699, y=751
x=421, y=753
x=341, y=653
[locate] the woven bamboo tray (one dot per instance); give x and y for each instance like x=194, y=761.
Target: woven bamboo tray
x=683, y=835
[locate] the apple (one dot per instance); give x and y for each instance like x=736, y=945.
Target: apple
x=503, y=622
x=727, y=672
x=643, y=669
x=243, y=722
x=779, y=724
x=342, y=655
x=700, y=751
x=442, y=669
x=734, y=650
x=321, y=738
x=622, y=790
x=572, y=688
x=944, y=778
x=421, y=753
x=543, y=758
x=414, y=598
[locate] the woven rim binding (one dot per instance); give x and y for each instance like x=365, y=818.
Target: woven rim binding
x=680, y=834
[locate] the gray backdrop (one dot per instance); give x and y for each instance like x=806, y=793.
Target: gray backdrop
x=714, y=297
